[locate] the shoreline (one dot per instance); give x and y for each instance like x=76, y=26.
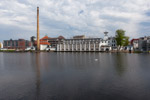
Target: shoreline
x=14, y=51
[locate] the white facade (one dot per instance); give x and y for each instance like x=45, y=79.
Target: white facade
x=88, y=44
x=135, y=44
x=43, y=47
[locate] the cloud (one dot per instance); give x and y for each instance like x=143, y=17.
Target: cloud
x=74, y=17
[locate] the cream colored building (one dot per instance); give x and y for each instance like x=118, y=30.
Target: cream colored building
x=87, y=44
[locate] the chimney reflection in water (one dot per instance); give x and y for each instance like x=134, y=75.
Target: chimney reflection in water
x=37, y=75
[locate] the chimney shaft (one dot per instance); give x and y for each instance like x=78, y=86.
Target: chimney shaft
x=38, y=41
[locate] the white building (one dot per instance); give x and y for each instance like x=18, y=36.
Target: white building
x=88, y=44
x=135, y=44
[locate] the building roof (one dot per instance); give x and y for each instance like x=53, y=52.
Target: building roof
x=79, y=37
x=42, y=43
x=45, y=37
x=133, y=40
x=48, y=38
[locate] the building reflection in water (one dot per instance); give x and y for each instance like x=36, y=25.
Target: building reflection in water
x=38, y=81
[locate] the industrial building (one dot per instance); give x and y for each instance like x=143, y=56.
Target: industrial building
x=47, y=42
x=20, y=44
x=87, y=44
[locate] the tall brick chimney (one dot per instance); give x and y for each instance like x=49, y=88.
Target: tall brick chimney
x=38, y=34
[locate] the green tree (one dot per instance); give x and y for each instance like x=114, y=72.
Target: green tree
x=121, y=39
x=126, y=43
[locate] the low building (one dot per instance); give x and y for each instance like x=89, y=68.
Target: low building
x=144, y=43
x=135, y=44
x=87, y=44
x=55, y=41
x=20, y=44
x=47, y=42
x=44, y=44
x=141, y=44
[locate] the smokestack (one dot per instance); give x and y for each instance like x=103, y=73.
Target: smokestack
x=38, y=41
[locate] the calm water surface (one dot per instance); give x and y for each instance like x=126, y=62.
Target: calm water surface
x=74, y=76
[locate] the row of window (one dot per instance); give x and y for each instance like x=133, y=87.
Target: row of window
x=14, y=43
x=113, y=41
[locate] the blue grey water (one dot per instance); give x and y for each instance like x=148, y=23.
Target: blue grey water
x=74, y=76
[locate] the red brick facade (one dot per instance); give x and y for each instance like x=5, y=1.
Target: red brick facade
x=20, y=44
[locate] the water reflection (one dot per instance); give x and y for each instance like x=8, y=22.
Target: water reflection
x=1, y=61
x=74, y=76
x=38, y=80
x=120, y=64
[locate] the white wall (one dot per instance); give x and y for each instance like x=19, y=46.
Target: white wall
x=43, y=47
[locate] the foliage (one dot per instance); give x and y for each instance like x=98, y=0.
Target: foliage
x=7, y=50
x=126, y=42
x=137, y=51
x=121, y=39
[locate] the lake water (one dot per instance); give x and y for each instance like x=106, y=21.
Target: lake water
x=74, y=76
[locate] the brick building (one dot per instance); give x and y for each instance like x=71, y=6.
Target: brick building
x=20, y=44
x=48, y=41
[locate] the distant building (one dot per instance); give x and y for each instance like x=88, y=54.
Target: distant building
x=141, y=44
x=79, y=37
x=33, y=39
x=87, y=44
x=135, y=44
x=144, y=43
x=55, y=41
x=20, y=44
x=47, y=42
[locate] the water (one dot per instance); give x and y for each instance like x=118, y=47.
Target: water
x=74, y=76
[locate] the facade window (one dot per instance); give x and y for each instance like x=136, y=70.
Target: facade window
x=27, y=43
x=5, y=43
x=16, y=43
x=13, y=43
x=8, y=43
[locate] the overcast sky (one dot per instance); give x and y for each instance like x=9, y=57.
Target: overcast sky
x=74, y=17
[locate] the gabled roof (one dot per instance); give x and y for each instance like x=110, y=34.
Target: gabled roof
x=45, y=37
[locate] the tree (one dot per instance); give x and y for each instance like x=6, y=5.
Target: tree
x=121, y=39
x=126, y=43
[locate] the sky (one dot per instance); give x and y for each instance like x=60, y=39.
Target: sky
x=74, y=17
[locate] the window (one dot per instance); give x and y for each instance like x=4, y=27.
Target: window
x=5, y=43
x=16, y=43
x=13, y=43
x=8, y=43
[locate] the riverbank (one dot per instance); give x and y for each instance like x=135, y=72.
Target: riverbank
x=15, y=51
